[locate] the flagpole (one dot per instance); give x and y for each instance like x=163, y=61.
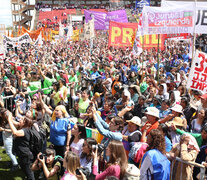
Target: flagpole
x=194, y=34
x=158, y=59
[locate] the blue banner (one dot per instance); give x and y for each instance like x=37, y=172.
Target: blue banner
x=141, y=3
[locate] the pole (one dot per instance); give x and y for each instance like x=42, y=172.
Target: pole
x=158, y=59
x=194, y=34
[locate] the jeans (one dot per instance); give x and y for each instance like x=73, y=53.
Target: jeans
x=8, y=143
x=25, y=163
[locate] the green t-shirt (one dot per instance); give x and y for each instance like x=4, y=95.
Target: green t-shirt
x=55, y=177
x=83, y=105
x=47, y=83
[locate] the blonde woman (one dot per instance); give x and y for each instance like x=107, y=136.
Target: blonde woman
x=71, y=162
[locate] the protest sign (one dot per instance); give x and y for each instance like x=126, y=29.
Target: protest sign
x=201, y=13
x=101, y=19
x=197, y=78
x=122, y=34
x=169, y=20
x=151, y=41
x=17, y=42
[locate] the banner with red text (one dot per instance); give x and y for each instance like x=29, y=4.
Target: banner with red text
x=197, y=78
x=122, y=34
x=168, y=20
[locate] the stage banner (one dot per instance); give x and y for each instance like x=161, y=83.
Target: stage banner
x=197, y=78
x=169, y=20
x=201, y=13
x=122, y=34
x=18, y=42
x=101, y=19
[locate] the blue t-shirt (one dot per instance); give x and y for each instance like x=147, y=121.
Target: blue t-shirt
x=168, y=144
x=58, y=131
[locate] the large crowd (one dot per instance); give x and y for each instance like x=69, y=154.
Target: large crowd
x=57, y=92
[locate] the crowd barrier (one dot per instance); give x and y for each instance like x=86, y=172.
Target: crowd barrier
x=202, y=167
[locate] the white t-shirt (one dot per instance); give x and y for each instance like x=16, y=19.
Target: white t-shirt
x=77, y=147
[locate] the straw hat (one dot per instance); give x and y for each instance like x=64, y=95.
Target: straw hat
x=177, y=121
x=135, y=120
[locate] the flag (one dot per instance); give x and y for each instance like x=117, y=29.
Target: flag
x=137, y=47
x=89, y=29
x=61, y=29
x=39, y=41
x=70, y=29
x=91, y=24
x=75, y=36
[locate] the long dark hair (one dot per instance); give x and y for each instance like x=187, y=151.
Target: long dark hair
x=118, y=155
x=90, y=142
x=82, y=135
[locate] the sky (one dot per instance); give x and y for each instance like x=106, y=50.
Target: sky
x=5, y=12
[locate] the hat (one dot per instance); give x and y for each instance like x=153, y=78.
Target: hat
x=136, y=120
x=177, y=121
x=204, y=96
x=153, y=111
x=177, y=108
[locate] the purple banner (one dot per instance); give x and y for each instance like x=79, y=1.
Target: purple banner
x=102, y=19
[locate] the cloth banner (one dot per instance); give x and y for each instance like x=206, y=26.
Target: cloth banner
x=61, y=30
x=137, y=47
x=70, y=29
x=33, y=34
x=169, y=20
x=93, y=133
x=2, y=52
x=141, y=3
x=201, y=13
x=75, y=36
x=18, y=42
x=151, y=41
x=197, y=78
x=101, y=19
x=39, y=41
x=122, y=34
x=89, y=29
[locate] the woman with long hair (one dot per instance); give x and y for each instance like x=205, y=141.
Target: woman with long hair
x=154, y=162
x=21, y=144
x=78, y=135
x=86, y=157
x=117, y=164
x=71, y=162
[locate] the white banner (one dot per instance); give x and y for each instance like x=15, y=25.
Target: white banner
x=201, y=13
x=169, y=20
x=137, y=47
x=197, y=78
x=18, y=42
x=39, y=41
x=89, y=29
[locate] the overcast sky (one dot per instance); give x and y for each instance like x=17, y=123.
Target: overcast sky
x=5, y=12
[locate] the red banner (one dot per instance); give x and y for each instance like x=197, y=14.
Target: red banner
x=122, y=34
x=151, y=41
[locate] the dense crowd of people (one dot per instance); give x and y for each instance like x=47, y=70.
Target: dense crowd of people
x=60, y=91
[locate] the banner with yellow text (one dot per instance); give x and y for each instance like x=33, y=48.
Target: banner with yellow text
x=122, y=34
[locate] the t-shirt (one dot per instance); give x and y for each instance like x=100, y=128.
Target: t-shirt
x=77, y=147
x=68, y=176
x=83, y=105
x=55, y=177
x=21, y=145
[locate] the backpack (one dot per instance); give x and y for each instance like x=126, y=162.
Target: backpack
x=62, y=169
x=132, y=173
x=36, y=141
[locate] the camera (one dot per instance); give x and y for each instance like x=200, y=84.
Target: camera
x=100, y=148
x=85, y=171
x=43, y=155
